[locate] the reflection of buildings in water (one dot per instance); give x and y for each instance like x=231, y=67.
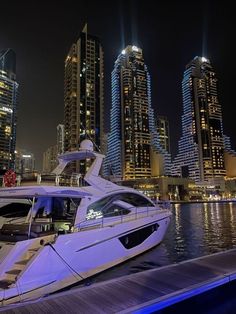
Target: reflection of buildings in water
x=198, y=229
x=177, y=215
x=228, y=222
x=196, y=232
x=179, y=232
x=174, y=239
x=231, y=211
x=188, y=228
x=204, y=226
x=211, y=218
x=219, y=225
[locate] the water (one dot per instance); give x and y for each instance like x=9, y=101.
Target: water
x=195, y=230
x=220, y=300
x=200, y=229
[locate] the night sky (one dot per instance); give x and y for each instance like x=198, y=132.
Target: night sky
x=171, y=34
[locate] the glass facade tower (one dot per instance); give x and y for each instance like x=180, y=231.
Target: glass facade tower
x=132, y=128
x=164, y=132
x=83, y=93
x=8, y=109
x=201, y=147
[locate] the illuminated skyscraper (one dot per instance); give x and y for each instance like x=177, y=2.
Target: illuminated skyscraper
x=132, y=142
x=84, y=92
x=201, y=147
x=164, y=132
x=8, y=108
x=60, y=139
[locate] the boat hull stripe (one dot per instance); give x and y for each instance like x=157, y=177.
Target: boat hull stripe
x=122, y=234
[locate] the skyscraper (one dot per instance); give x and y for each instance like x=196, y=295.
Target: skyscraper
x=24, y=162
x=60, y=139
x=164, y=132
x=50, y=159
x=84, y=92
x=8, y=108
x=201, y=147
x=130, y=150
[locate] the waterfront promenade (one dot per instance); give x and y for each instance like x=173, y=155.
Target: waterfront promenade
x=203, y=201
x=143, y=292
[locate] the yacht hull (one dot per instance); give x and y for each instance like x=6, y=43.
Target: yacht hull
x=79, y=255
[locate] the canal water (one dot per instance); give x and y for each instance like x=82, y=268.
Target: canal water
x=196, y=229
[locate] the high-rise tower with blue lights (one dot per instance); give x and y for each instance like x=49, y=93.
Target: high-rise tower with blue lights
x=201, y=147
x=133, y=143
x=8, y=109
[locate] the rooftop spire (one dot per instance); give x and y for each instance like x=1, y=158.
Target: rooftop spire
x=85, y=29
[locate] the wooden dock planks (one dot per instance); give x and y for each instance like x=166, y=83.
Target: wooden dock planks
x=141, y=292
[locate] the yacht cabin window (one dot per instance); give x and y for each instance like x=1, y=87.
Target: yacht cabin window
x=108, y=207
x=56, y=207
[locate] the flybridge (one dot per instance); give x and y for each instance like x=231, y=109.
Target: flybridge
x=57, y=178
x=92, y=176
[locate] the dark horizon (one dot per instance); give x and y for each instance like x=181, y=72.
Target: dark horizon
x=170, y=35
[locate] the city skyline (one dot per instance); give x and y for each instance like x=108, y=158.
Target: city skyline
x=169, y=36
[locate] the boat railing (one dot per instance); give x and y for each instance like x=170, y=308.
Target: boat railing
x=163, y=204
x=107, y=220
x=74, y=179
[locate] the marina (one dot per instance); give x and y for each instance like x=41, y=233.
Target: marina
x=117, y=158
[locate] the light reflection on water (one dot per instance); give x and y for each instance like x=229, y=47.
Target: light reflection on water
x=200, y=229
x=195, y=230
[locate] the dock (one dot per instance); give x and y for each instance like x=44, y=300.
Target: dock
x=144, y=292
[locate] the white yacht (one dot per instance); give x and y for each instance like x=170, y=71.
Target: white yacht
x=71, y=233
